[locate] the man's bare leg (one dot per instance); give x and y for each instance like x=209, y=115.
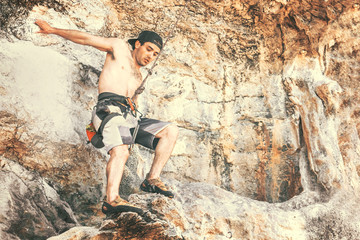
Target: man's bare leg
x=114, y=204
x=167, y=139
x=114, y=170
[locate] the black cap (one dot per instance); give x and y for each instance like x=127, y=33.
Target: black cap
x=148, y=36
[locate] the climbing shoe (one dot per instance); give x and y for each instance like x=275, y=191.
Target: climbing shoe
x=119, y=205
x=156, y=186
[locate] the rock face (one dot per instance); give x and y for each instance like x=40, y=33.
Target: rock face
x=29, y=206
x=265, y=94
x=204, y=211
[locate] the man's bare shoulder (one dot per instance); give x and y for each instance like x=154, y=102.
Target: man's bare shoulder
x=121, y=48
x=121, y=43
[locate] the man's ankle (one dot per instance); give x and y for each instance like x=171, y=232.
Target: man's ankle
x=150, y=177
x=111, y=197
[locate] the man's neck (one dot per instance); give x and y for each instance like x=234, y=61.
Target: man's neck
x=137, y=66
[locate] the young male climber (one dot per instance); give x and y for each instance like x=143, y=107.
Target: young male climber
x=119, y=79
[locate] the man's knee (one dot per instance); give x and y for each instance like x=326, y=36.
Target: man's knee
x=172, y=131
x=119, y=152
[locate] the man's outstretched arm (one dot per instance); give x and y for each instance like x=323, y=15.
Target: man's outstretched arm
x=101, y=43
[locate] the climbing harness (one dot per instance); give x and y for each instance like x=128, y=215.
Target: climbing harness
x=105, y=111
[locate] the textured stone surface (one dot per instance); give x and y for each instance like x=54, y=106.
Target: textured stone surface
x=265, y=94
x=201, y=211
x=29, y=206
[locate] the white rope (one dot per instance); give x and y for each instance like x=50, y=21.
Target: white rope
x=141, y=88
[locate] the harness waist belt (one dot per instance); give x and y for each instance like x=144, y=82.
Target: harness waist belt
x=112, y=96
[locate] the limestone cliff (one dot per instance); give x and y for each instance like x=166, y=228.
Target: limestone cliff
x=265, y=94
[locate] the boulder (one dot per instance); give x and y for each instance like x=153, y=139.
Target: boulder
x=30, y=208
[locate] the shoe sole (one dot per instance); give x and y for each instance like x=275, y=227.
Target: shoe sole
x=110, y=210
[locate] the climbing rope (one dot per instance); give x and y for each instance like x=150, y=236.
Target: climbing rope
x=141, y=88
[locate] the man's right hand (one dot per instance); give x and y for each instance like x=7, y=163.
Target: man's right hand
x=44, y=27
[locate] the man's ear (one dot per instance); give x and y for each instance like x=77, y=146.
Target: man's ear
x=137, y=44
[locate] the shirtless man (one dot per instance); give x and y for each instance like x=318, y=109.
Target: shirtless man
x=119, y=79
